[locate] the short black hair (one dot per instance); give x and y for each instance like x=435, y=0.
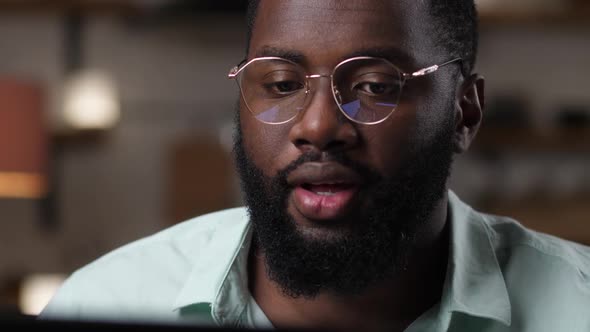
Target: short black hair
x=455, y=21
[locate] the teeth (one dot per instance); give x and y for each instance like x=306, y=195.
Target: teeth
x=324, y=193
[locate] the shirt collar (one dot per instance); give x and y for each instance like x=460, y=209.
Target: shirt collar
x=227, y=241
x=475, y=284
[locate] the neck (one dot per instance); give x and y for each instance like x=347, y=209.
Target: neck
x=391, y=305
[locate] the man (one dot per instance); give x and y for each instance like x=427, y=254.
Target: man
x=349, y=117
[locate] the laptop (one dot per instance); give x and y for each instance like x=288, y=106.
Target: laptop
x=20, y=322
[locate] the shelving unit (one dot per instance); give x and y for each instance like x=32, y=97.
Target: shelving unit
x=502, y=140
x=567, y=217
x=511, y=159
x=563, y=215
x=571, y=12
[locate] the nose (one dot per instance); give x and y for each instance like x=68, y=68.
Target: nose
x=321, y=127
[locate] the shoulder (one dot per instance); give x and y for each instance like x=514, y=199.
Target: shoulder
x=174, y=247
x=511, y=240
x=511, y=237
x=146, y=274
x=545, y=279
x=546, y=276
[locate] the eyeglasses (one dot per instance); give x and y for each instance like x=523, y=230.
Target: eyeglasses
x=366, y=89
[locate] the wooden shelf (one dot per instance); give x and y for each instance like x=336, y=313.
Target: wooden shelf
x=530, y=140
x=512, y=19
x=83, y=6
x=565, y=217
x=570, y=12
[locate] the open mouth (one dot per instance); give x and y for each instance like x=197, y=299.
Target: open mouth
x=327, y=189
x=324, y=201
x=324, y=190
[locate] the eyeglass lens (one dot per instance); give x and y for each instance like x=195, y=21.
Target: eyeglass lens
x=367, y=90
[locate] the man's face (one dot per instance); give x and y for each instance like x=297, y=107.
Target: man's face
x=335, y=205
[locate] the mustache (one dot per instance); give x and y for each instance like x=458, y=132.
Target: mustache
x=369, y=175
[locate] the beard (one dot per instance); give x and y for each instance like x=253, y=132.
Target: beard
x=381, y=235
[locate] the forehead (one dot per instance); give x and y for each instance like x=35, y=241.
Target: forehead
x=326, y=31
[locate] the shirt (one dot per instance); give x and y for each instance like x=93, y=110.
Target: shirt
x=500, y=277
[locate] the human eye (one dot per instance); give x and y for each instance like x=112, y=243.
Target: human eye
x=284, y=87
x=374, y=88
x=376, y=84
x=282, y=83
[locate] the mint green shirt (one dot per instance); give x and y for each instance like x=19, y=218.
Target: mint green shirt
x=500, y=277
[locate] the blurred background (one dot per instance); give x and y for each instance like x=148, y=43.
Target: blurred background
x=116, y=122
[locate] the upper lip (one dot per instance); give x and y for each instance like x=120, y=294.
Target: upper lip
x=316, y=173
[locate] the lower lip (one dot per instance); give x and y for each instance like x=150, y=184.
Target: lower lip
x=322, y=207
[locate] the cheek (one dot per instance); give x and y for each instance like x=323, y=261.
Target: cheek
x=431, y=102
x=267, y=145
x=433, y=116
x=389, y=144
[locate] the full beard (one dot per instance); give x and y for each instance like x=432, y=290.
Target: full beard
x=378, y=242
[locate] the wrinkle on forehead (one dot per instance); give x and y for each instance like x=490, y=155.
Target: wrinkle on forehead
x=335, y=23
x=351, y=5
x=332, y=11
x=329, y=17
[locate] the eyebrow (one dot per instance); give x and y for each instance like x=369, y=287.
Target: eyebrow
x=270, y=51
x=393, y=54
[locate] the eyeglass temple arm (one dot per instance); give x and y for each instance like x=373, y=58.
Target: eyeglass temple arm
x=236, y=69
x=422, y=72
x=430, y=70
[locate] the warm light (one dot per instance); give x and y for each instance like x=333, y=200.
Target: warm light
x=37, y=290
x=22, y=185
x=521, y=6
x=91, y=101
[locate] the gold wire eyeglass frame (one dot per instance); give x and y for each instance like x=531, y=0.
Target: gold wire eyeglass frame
x=236, y=70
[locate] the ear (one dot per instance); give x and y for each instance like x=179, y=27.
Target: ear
x=470, y=101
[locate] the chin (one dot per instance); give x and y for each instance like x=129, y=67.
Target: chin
x=323, y=233
x=324, y=230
